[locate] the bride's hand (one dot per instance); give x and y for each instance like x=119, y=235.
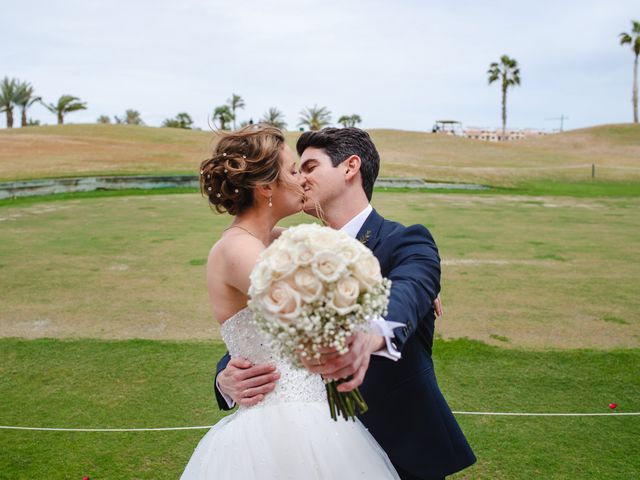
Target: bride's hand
x=245, y=383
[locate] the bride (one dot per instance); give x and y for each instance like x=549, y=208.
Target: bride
x=252, y=175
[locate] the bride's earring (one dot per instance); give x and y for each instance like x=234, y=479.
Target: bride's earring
x=270, y=203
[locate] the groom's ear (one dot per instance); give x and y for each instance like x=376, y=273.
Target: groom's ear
x=351, y=166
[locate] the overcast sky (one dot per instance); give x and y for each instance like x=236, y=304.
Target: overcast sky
x=398, y=64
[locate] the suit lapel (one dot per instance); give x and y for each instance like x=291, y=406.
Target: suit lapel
x=369, y=234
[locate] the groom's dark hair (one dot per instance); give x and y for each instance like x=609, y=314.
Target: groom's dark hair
x=340, y=144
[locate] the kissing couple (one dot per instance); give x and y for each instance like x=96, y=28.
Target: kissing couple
x=282, y=428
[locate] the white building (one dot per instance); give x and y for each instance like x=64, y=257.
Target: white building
x=495, y=135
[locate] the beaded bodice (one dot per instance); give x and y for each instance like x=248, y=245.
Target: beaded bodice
x=244, y=338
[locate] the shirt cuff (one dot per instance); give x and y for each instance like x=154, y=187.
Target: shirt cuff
x=227, y=398
x=385, y=328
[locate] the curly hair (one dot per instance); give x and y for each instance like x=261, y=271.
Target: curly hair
x=241, y=161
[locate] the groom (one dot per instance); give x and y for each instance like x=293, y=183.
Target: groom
x=407, y=414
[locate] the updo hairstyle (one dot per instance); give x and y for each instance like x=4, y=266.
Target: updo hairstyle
x=241, y=161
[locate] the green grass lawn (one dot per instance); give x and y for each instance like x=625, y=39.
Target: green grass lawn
x=137, y=384
x=541, y=315
x=527, y=271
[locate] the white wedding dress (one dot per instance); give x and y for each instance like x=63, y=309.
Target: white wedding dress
x=290, y=434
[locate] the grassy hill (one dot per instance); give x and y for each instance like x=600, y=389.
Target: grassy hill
x=84, y=150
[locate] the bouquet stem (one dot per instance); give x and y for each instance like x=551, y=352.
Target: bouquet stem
x=346, y=404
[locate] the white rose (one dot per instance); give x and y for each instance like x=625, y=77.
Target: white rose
x=346, y=295
x=282, y=301
x=260, y=278
x=328, y=266
x=367, y=271
x=280, y=262
x=301, y=232
x=350, y=250
x=324, y=238
x=302, y=254
x=307, y=284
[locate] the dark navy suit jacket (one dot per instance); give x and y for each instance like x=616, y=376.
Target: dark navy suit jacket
x=407, y=414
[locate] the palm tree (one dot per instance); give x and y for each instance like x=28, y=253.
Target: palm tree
x=25, y=99
x=131, y=117
x=66, y=104
x=509, y=73
x=8, y=93
x=223, y=115
x=182, y=120
x=633, y=39
x=235, y=102
x=350, y=120
x=315, y=118
x=274, y=117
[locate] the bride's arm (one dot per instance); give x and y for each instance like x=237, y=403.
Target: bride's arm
x=237, y=378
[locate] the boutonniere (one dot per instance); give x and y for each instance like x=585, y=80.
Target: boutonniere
x=365, y=238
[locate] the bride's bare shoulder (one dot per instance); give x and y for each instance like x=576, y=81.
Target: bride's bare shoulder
x=232, y=246
x=232, y=259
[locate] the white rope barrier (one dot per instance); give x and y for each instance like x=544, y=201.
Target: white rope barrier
x=523, y=414
x=203, y=427
x=160, y=429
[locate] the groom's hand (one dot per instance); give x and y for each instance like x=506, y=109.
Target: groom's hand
x=437, y=306
x=354, y=363
x=245, y=383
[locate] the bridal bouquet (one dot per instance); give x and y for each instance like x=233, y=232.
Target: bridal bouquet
x=312, y=288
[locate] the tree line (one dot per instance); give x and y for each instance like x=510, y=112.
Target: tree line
x=18, y=94
x=313, y=118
